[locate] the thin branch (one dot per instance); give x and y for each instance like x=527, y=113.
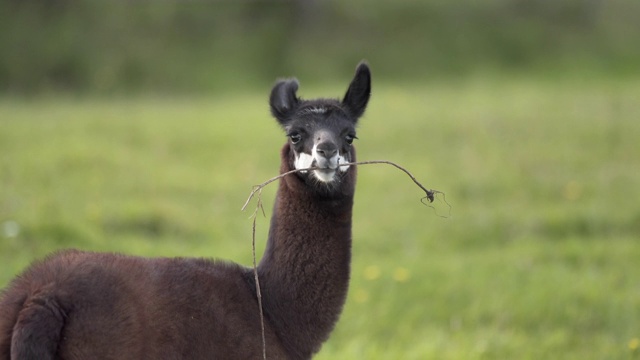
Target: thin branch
x=258, y=188
x=429, y=193
x=255, y=273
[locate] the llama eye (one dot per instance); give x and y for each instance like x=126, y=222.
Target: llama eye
x=349, y=139
x=295, y=138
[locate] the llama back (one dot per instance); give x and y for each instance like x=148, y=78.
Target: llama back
x=68, y=304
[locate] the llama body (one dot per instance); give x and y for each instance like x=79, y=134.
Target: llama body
x=79, y=305
x=84, y=305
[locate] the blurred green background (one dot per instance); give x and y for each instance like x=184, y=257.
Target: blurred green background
x=141, y=126
x=192, y=46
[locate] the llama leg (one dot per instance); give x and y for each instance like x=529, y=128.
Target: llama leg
x=36, y=334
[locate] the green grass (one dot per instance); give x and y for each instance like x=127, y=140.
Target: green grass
x=539, y=259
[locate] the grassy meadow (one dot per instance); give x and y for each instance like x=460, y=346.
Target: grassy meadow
x=539, y=259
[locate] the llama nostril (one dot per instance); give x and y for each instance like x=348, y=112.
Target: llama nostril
x=327, y=151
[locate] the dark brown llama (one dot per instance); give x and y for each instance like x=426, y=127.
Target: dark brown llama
x=84, y=305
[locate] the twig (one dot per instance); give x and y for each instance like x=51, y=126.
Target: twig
x=255, y=272
x=257, y=189
x=430, y=193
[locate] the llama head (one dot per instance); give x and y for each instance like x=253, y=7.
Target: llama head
x=321, y=131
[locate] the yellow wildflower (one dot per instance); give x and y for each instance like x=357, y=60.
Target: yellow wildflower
x=401, y=274
x=372, y=272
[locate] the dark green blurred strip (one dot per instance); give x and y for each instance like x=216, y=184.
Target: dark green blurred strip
x=193, y=46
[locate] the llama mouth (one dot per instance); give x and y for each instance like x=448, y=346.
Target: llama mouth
x=327, y=171
x=326, y=166
x=325, y=174
x=323, y=170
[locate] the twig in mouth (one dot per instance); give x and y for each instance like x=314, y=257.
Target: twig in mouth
x=429, y=193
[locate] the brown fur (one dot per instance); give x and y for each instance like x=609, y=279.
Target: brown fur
x=304, y=272
x=83, y=305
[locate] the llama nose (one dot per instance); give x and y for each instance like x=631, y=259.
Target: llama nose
x=327, y=150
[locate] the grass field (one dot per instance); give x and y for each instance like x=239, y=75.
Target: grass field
x=540, y=258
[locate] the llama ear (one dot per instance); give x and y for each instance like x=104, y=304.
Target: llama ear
x=357, y=96
x=283, y=99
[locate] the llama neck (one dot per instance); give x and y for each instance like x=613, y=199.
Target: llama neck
x=304, y=273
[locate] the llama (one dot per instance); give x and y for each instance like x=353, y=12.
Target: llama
x=85, y=305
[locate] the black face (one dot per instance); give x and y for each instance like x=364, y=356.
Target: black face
x=321, y=135
x=321, y=132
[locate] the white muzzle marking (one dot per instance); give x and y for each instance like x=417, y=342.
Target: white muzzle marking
x=304, y=160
